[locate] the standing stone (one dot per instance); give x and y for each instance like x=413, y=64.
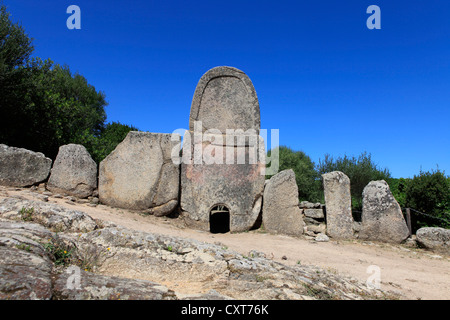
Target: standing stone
x=338, y=204
x=281, y=213
x=74, y=172
x=224, y=125
x=21, y=167
x=140, y=174
x=382, y=218
x=225, y=99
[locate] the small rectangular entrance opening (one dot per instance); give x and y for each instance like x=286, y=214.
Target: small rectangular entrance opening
x=219, y=219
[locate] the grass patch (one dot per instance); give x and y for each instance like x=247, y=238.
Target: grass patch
x=318, y=293
x=23, y=246
x=26, y=214
x=64, y=254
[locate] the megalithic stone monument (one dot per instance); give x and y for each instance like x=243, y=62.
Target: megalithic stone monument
x=222, y=169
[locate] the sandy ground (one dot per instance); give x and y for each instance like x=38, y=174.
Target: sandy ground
x=415, y=273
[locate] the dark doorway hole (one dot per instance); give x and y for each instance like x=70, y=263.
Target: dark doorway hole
x=219, y=219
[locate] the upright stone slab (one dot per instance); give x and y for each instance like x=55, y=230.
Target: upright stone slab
x=222, y=171
x=21, y=167
x=281, y=213
x=338, y=205
x=225, y=99
x=382, y=218
x=74, y=172
x=140, y=174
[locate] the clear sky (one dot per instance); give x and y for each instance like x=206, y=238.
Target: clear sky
x=327, y=82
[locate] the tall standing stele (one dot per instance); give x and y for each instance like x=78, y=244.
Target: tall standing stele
x=338, y=203
x=213, y=177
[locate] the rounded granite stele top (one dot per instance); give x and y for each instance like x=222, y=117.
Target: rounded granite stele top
x=225, y=99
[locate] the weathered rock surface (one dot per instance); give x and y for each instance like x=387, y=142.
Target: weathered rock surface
x=320, y=228
x=25, y=268
x=338, y=205
x=184, y=263
x=24, y=275
x=131, y=264
x=434, y=238
x=310, y=205
x=212, y=173
x=281, y=213
x=314, y=213
x=98, y=287
x=321, y=237
x=21, y=167
x=47, y=214
x=74, y=172
x=139, y=174
x=382, y=218
x=225, y=99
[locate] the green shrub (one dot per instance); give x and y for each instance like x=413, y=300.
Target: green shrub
x=308, y=181
x=102, y=144
x=360, y=171
x=59, y=251
x=398, y=188
x=429, y=192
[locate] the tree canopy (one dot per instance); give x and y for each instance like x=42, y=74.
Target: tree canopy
x=44, y=105
x=307, y=178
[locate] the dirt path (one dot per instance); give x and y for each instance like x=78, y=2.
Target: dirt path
x=415, y=273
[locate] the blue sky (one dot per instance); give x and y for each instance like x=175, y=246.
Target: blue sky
x=327, y=82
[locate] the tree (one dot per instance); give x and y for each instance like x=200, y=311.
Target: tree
x=307, y=179
x=398, y=188
x=42, y=105
x=360, y=171
x=15, y=45
x=99, y=146
x=55, y=108
x=15, y=50
x=429, y=192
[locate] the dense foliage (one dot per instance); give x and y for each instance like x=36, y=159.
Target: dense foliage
x=308, y=181
x=44, y=105
x=360, y=170
x=103, y=144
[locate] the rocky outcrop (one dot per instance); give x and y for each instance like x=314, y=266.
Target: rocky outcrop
x=382, y=218
x=338, y=205
x=98, y=287
x=25, y=267
x=21, y=167
x=184, y=263
x=37, y=263
x=140, y=174
x=47, y=214
x=24, y=276
x=74, y=172
x=434, y=238
x=281, y=213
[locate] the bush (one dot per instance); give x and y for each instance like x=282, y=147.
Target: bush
x=360, y=171
x=398, y=188
x=308, y=181
x=429, y=192
x=105, y=142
